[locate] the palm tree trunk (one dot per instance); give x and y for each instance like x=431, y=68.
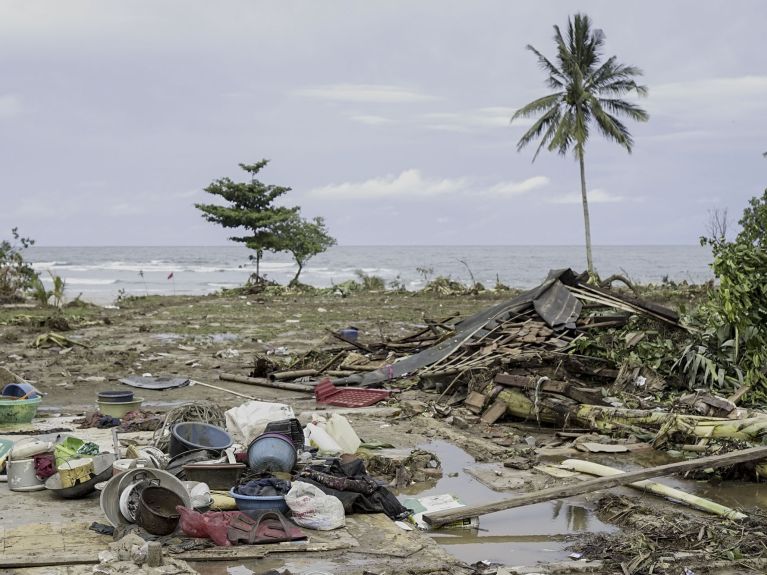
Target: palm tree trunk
x=586, y=220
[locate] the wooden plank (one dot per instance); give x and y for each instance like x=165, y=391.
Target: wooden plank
x=475, y=401
x=444, y=517
x=549, y=386
x=494, y=412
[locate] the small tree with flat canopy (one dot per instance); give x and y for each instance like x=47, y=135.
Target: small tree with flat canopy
x=303, y=239
x=250, y=206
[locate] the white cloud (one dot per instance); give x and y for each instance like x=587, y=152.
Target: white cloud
x=596, y=196
x=371, y=93
x=411, y=184
x=408, y=184
x=10, y=106
x=518, y=188
x=472, y=120
x=710, y=98
x=371, y=120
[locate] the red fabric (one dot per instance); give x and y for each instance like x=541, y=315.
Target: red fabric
x=212, y=525
x=329, y=394
x=44, y=466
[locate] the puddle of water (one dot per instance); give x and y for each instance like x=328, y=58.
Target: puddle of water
x=521, y=536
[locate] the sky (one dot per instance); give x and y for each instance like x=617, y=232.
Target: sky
x=389, y=118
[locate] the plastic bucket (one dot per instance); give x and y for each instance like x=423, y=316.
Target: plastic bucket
x=157, y=510
x=194, y=435
x=21, y=475
x=272, y=452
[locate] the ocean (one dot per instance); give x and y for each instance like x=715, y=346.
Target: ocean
x=100, y=274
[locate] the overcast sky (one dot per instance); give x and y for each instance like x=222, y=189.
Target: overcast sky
x=389, y=118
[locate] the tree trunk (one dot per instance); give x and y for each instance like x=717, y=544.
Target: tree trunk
x=258, y=266
x=294, y=281
x=586, y=221
x=559, y=411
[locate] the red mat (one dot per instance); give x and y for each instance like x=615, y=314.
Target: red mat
x=327, y=393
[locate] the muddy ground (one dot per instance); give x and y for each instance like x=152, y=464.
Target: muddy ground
x=201, y=337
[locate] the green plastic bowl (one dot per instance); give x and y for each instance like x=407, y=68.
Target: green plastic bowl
x=18, y=410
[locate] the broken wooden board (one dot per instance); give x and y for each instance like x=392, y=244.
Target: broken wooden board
x=475, y=401
x=494, y=412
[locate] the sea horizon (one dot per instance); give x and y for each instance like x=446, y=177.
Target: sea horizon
x=102, y=273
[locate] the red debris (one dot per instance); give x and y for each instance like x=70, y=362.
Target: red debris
x=327, y=393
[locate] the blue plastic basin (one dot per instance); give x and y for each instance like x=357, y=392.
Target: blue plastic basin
x=250, y=503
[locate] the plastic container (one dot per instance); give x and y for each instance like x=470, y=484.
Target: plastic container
x=193, y=435
x=76, y=471
x=20, y=390
x=29, y=447
x=289, y=427
x=268, y=503
x=339, y=428
x=218, y=476
x=317, y=437
x=351, y=333
x=115, y=396
x=119, y=409
x=18, y=410
x=21, y=475
x=272, y=452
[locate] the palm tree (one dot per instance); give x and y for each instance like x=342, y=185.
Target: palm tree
x=587, y=91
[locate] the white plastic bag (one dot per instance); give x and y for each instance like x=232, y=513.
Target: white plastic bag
x=339, y=428
x=316, y=436
x=247, y=421
x=313, y=509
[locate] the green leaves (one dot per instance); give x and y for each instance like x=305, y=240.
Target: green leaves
x=586, y=89
x=16, y=276
x=270, y=228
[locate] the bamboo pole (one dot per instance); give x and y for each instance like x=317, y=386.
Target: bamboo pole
x=195, y=382
x=265, y=382
x=654, y=487
x=293, y=374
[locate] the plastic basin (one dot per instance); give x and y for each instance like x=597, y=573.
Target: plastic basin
x=251, y=503
x=193, y=435
x=119, y=409
x=18, y=410
x=272, y=452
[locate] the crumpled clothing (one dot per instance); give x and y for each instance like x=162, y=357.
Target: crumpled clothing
x=45, y=466
x=88, y=448
x=265, y=487
x=379, y=501
x=360, y=484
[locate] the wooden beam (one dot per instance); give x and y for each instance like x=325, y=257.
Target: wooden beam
x=444, y=517
x=266, y=383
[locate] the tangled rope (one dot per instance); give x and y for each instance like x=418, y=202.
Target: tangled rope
x=202, y=411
